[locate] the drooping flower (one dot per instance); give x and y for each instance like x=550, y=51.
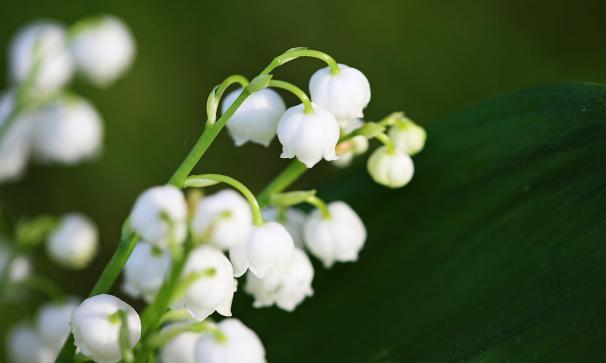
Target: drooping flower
x=25, y=346
x=97, y=330
x=181, y=349
x=408, y=136
x=268, y=248
x=213, y=285
x=291, y=218
x=237, y=344
x=74, y=241
x=103, y=48
x=285, y=289
x=344, y=94
x=257, y=118
x=339, y=237
x=67, y=131
x=391, y=168
x=15, y=145
x=308, y=136
x=52, y=322
x=41, y=44
x=145, y=271
x=159, y=216
x=223, y=219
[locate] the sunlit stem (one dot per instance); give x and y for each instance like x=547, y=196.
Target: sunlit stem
x=198, y=180
x=301, y=95
x=214, y=98
x=387, y=142
x=319, y=203
x=171, y=333
x=175, y=315
x=295, y=53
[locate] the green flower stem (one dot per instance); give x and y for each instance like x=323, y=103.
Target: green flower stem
x=175, y=315
x=214, y=98
x=387, y=142
x=319, y=203
x=169, y=334
x=289, y=175
x=294, y=90
x=295, y=53
x=193, y=180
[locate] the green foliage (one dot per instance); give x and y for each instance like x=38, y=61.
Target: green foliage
x=494, y=253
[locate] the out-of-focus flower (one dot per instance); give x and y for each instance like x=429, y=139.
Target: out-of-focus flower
x=52, y=323
x=25, y=346
x=180, y=349
x=74, y=242
x=145, y=271
x=257, y=118
x=238, y=344
x=408, y=136
x=391, y=168
x=15, y=145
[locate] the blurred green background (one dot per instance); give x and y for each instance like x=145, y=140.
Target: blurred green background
x=425, y=57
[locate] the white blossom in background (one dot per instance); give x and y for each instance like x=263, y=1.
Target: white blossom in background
x=223, y=219
x=20, y=267
x=73, y=242
x=308, y=136
x=257, y=118
x=240, y=345
x=182, y=348
x=408, y=137
x=103, y=48
x=145, y=271
x=97, y=334
x=268, y=248
x=15, y=145
x=68, y=130
x=285, y=289
x=43, y=42
x=344, y=94
x=291, y=218
x=25, y=346
x=52, y=322
x=392, y=169
x=212, y=291
x=159, y=216
x=337, y=238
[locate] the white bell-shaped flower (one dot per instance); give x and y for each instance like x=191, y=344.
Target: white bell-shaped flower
x=182, y=348
x=159, y=216
x=15, y=145
x=308, y=136
x=268, y=248
x=74, y=241
x=339, y=237
x=392, y=169
x=52, y=322
x=103, y=48
x=257, y=118
x=25, y=346
x=344, y=94
x=291, y=218
x=239, y=345
x=68, y=130
x=42, y=43
x=20, y=267
x=97, y=331
x=145, y=271
x=285, y=289
x=223, y=219
x=214, y=289
x=408, y=137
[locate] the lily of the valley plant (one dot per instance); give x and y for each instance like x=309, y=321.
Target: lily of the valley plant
x=186, y=253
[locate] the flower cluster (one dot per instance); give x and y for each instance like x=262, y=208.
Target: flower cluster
x=184, y=248
x=39, y=118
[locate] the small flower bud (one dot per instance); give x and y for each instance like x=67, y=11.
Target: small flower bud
x=103, y=48
x=15, y=145
x=20, y=267
x=159, y=216
x=337, y=238
x=214, y=289
x=268, y=248
x=41, y=43
x=308, y=136
x=344, y=94
x=145, y=271
x=52, y=323
x=286, y=290
x=408, y=137
x=68, y=131
x=74, y=242
x=257, y=118
x=180, y=349
x=223, y=219
x=25, y=346
x=393, y=169
x=291, y=218
x=239, y=345
x=97, y=331
x=348, y=149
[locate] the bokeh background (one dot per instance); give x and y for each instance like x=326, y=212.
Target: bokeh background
x=425, y=57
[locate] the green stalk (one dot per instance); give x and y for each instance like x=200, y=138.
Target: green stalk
x=289, y=175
